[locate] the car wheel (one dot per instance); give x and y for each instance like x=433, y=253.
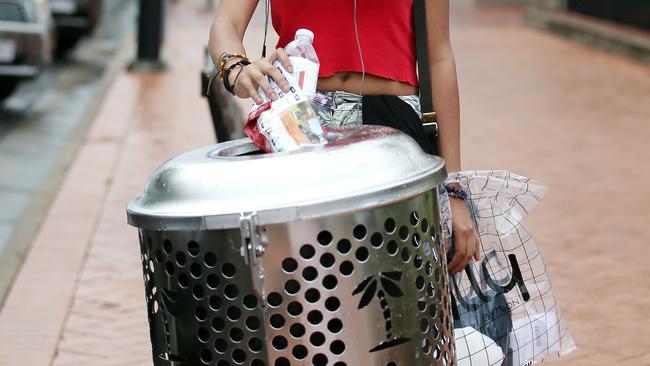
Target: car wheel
x=6, y=88
x=66, y=40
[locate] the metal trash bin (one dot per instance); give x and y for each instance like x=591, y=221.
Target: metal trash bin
x=329, y=256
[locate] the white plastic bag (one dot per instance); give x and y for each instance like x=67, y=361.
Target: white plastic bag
x=507, y=295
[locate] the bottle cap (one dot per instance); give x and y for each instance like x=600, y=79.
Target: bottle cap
x=305, y=33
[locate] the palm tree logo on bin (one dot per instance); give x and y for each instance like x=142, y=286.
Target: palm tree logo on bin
x=380, y=285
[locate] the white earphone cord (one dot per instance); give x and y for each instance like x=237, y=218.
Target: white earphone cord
x=363, y=67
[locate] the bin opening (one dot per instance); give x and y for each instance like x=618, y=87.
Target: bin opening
x=240, y=150
x=249, y=149
x=250, y=153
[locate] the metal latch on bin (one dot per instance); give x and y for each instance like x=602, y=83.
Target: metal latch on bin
x=254, y=242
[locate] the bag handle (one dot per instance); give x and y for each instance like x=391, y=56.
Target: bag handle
x=421, y=50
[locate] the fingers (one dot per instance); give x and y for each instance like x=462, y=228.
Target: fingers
x=284, y=59
x=251, y=79
x=276, y=75
x=466, y=248
x=466, y=241
x=262, y=81
x=247, y=89
x=256, y=75
x=279, y=55
x=455, y=265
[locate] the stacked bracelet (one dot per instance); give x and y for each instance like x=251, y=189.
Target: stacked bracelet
x=225, y=57
x=226, y=74
x=219, y=69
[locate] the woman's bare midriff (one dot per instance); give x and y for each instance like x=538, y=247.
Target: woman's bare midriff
x=372, y=85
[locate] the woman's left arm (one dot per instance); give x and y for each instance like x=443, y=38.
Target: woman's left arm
x=444, y=87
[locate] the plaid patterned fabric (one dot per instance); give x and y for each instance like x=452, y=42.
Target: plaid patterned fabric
x=504, y=307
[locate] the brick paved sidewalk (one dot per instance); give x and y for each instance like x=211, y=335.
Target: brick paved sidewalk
x=537, y=105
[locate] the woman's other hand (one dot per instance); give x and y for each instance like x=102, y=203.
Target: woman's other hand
x=256, y=74
x=466, y=243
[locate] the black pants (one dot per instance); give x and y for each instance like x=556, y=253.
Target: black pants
x=391, y=111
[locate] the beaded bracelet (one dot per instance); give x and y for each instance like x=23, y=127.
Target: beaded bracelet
x=220, y=65
x=456, y=192
x=225, y=57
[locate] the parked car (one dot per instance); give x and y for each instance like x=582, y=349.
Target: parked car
x=74, y=19
x=26, y=41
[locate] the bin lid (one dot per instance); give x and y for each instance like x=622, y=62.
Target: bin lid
x=211, y=187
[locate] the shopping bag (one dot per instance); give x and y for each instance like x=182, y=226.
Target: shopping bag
x=506, y=297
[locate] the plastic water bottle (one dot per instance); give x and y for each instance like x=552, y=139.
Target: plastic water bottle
x=304, y=60
x=290, y=122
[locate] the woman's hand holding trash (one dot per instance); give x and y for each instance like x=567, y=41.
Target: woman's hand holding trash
x=251, y=77
x=283, y=118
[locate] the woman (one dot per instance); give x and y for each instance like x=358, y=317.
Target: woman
x=365, y=47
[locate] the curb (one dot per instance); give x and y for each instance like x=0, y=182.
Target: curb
x=28, y=226
x=603, y=35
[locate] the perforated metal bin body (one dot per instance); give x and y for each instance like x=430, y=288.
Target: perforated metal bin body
x=329, y=256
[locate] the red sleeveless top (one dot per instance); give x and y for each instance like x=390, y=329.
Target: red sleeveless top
x=385, y=32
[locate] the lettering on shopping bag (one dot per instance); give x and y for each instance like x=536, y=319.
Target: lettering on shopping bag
x=516, y=280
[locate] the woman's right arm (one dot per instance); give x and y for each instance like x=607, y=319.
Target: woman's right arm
x=227, y=35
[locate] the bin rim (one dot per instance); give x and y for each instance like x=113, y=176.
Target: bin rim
x=417, y=173
x=344, y=205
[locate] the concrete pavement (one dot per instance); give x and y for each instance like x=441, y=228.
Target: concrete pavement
x=541, y=106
